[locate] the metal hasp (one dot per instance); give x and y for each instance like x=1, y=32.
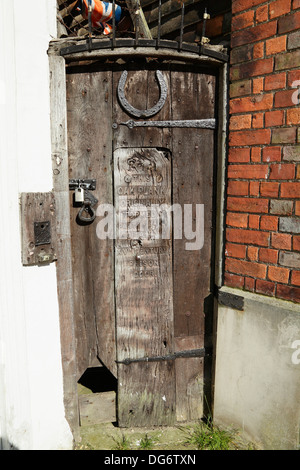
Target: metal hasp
x=143, y=113
x=169, y=357
x=89, y=184
x=88, y=201
x=193, y=123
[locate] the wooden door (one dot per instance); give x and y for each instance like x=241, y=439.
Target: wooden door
x=140, y=301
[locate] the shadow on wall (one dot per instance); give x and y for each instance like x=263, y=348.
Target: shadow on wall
x=6, y=445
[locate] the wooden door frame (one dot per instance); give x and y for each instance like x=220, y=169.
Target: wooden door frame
x=59, y=152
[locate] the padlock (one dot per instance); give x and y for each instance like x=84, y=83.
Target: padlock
x=79, y=194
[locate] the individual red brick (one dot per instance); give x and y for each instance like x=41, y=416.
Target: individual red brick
x=289, y=23
x=249, y=284
x=283, y=99
x=235, y=250
x=258, y=33
x=275, y=81
x=242, y=21
x=262, y=14
x=247, y=268
x=284, y=135
x=295, y=279
x=293, y=76
x=257, y=85
x=252, y=69
x=296, y=242
x=241, y=5
x=296, y=4
x=237, y=220
x=251, y=237
x=297, y=208
x=252, y=253
x=282, y=241
x=239, y=155
x=288, y=60
x=282, y=171
x=271, y=154
x=279, y=8
x=252, y=103
x=241, y=54
x=256, y=154
x=290, y=190
x=240, y=122
x=278, y=274
x=268, y=255
x=275, y=45
x=240, y=88
x=254, y=188
x=269, y=222
x=238, y=188
x=247, y=204
x=274, y=118
x=232, y=280
x=258, y=50
x=248, y=171
x=269, y=189
x=252, y=137
x=288, y=293
x=293, y=116
x=258, y=120
x=265, y=287
x=254, y=221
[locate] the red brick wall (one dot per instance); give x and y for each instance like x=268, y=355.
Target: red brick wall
x=262, y=251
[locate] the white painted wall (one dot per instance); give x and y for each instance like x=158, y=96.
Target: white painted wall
x=31, y=386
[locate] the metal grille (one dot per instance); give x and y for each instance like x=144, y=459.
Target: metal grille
x=145, y=23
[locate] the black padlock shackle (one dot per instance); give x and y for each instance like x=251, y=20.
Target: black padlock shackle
x=86, y=206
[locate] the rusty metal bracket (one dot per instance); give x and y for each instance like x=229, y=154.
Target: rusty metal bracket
x=142, y=113
x=192, y=123
x=202, y=352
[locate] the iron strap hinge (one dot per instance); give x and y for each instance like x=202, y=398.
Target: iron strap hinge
x=192, y=123
x=169, y=357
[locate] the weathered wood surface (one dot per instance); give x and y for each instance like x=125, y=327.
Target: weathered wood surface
x=193, y=98
x=97, y=408
x=59, y=151
x=38, y=208
x=162, y=312
x=190, y=96
x=89, y=99
x=144, y=291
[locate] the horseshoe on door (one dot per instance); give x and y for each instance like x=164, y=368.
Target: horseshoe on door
x=143, y=113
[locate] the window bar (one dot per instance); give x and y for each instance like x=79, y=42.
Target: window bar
x=181, y=27
x=113, y=45
x=159, y=25
x=206, y=16
x=137, y=25
x=90, y=24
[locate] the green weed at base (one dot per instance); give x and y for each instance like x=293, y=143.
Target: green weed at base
x=207, y=436
x=122, y=443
